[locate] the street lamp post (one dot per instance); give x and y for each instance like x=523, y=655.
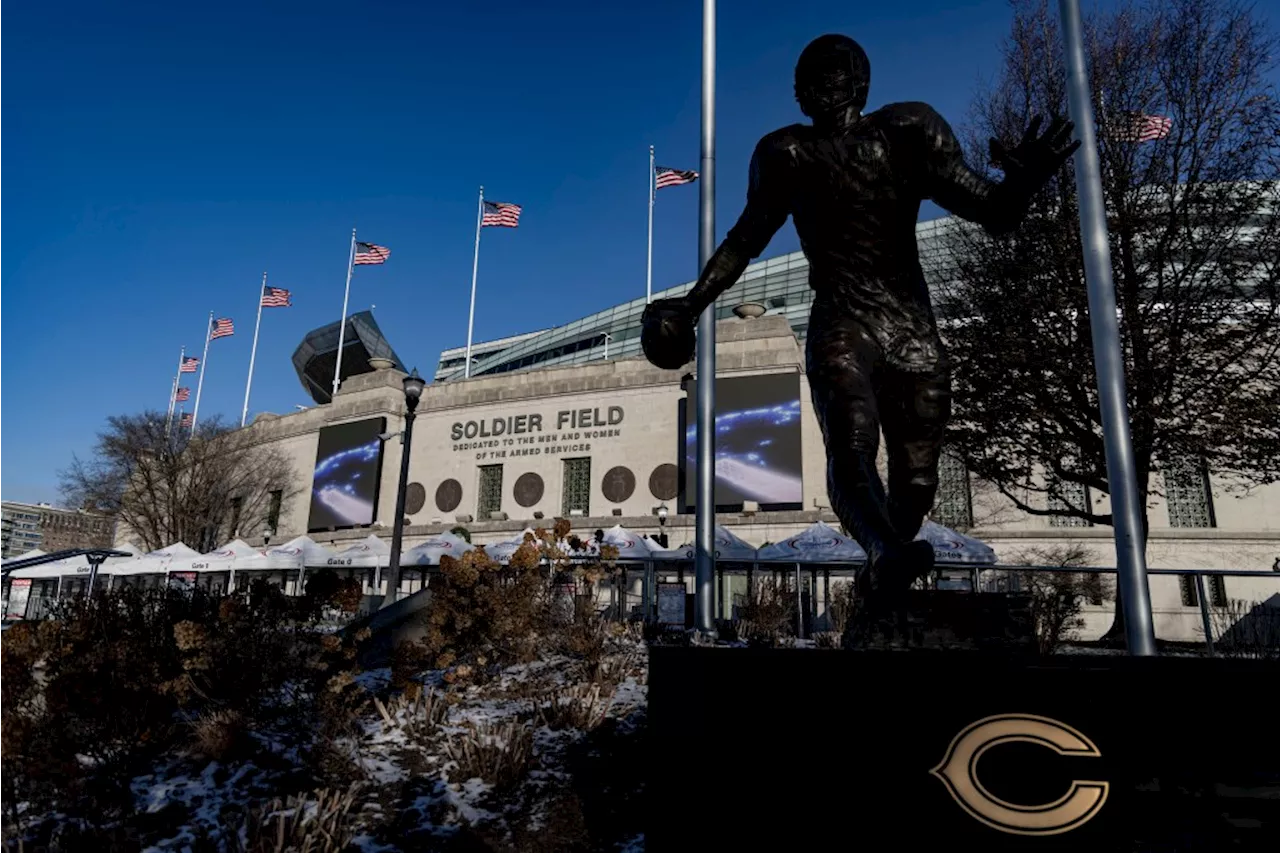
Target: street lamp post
x=413, y=385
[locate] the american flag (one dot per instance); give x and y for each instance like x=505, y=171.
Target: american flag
x=275, y=297
x=222, y=328
x=182, y=395
x=668, y=177
x=501, y=213
x=1140, y=127
x=189, y=365
x=185, y=420
x=368, y=253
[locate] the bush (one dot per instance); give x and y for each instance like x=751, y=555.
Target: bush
x=498, y=754
x=94, y=694
x=1057, y=598
x=483, y=614
x=767, y=616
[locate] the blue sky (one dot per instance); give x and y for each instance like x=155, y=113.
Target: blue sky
x=158, y=157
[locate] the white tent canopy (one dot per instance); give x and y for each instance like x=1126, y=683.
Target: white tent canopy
x=156, y=562
x=952, y=547
x=428, y=553
x=631, y=546
x=727, y=544
x=502, y=551
x=819, y=543
x=370, y=552
x=56, y=569
x=235, y=555
x=299, y=552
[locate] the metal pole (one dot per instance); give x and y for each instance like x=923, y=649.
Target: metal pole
x=648, y=277
x=342, y=327
x=94, y=562
x=173, y=392
x=253, y=353
x=475, y=268
x=1135, y=595
x=1204, y=615
x=704, y=547
x=397, y=534
x=204, y=361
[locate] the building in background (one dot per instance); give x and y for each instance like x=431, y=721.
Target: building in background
x=20, y=530
x=574, y=422
x=51, y=528
x=780, y=285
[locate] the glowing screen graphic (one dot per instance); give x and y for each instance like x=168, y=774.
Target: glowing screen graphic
x=344, y=487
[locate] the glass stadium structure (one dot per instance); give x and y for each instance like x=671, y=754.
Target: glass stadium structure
x=780, y=284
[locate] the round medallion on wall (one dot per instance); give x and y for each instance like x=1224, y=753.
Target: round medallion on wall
x=664, y=482
x=618, y=484
x=448, y=495
x=414, y=497
x=528, y=489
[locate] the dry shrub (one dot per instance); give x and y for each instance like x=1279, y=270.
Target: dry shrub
x=768, y=616
x=320, y=822
x=1057, y=598
x=497, y=753
x=842, y=606
x=348, y=596
x=217, y=734
x=94, y=694
x=828, y=639
x=408, y=660
x=419, y=712
x=482, y=610
x=582, y=707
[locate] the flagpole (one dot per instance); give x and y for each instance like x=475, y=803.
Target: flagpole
x=253, y=353
x=475, y=267
x=195, y=412
x=342, y=329
x=173, y=393
x=648, y=277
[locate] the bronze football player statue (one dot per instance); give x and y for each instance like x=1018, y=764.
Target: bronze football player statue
x=853, y=183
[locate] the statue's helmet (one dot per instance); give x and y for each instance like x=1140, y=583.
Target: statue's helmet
x=833, y=73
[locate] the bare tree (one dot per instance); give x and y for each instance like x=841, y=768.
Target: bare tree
x=167, y=486
x=1194, y=219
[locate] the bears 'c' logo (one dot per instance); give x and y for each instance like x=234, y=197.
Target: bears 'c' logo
x=959, y=772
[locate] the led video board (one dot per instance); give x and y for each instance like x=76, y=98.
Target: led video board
x=344, y=487
x=757, y=443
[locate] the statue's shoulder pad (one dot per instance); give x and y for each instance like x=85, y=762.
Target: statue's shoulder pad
x=783, y=137
x=906, y=114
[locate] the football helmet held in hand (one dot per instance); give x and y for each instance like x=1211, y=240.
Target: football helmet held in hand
x=668, y=333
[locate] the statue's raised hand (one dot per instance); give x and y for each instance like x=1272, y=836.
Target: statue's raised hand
x=1037, y=157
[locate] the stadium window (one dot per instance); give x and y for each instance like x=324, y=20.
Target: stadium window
x=953, y=505
x=490, y=492
x=273, y=511
x=1218, y=591
x=577, y=485
x=1067, y=494
x=1187, y=585
x=1188, y=497
x=237, y=504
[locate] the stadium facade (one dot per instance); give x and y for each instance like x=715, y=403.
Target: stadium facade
x=550, y=426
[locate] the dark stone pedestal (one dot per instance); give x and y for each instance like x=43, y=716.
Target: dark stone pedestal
x=945, y=619
x=927, y=750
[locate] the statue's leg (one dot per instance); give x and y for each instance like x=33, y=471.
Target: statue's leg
x=843, y=365
x=914, y=413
